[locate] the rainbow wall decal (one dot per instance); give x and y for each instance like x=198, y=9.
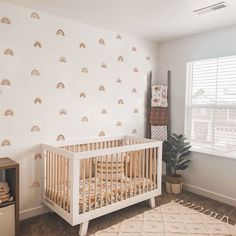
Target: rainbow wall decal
x=104, y=111
x=35, y=184
x=82, y=45
x=135, y=69
x=62, y=60
x=38, y=156
x=35, y=15
x=120, y=58
x=101, y=88
x=6, y=143
x=37, y=44
x=35, y=72
x=82, y=95
x=120, y=102
x=134, y=90
x=62, y=112
x=135, y=110
x=6, y=82
x=35, y=128
x=84, y=70
x=84, y=119
x=60, y=86
x=60, y=32
x=148, y=58
x=8, y=52
x=134, y=49
x=118, y=36
x=101, y=133
x=60, y=137
x=104, y=65
x=118, y=123
x=38, y=100
x=119, y=81
x=101, y=41
x=8, y=112
x=134, y=131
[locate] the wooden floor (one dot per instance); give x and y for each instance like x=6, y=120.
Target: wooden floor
x=52, y=225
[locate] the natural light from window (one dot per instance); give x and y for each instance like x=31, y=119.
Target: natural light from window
x=210, y=117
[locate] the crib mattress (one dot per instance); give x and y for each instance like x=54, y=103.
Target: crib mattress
x=97, y=193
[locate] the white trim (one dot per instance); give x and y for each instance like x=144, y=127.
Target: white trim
x=210, y=194
x=33, y=212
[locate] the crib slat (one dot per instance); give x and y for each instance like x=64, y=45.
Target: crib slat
x=64, y=183
x=112, y=157
x=126, y=174
x=155, y=167
x=139, y=170
x=116, y=176
x=135, y=168
x=68, y=190
x=131, y=174
x=143, y=169
x=83, y=169
x=90, y=176
x=95, y=191
x=101, y=183
x=147, y=168
x=106, y=177
x=151, y=166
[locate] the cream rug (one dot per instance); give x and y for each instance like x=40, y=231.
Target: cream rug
x=171, y=219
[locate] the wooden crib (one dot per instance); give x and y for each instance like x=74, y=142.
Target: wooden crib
x=89, y=178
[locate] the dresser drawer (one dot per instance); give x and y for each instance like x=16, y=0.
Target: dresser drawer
x=7, y=220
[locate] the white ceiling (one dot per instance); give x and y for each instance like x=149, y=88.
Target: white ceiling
x=158, y=20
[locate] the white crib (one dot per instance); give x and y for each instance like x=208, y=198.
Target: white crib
x=88, y=178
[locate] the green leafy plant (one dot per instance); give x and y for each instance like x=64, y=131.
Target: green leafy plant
x=176, y=153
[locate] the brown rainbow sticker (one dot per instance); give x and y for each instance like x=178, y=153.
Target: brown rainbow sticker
x=134, y=131
x=104, y=111
x=104, y=65
x=135, y=110
x=82, y=45
x=135, y=69
x=9, y=52
x=101, y=133
x=118, y=123
x=37, y=44
x=35, y=128
x=35, y=15
x=148, y=58
x=38, y=100
x=62, y=112
x=101, y=88
x=84, y=119
x=82, y=95
x=6, y=82
x=62, y=60
x=101, y=41
x=84, y=70
x=134, y=49
x=119, y=81
x=134, y=90
x=118, y=36
x=38, y=156
x=35, y=72
x=5, y=20
x=60, y=138
x=120, y=58
x=60, y=32
x=120, y=102
x=35, y=184
x=8, y=112
x=6, y=143
x=60, y=86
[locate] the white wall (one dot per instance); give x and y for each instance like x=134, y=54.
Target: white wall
x=208, y=175
x=19, y=36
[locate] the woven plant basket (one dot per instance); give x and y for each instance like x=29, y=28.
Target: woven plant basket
x=174, y=184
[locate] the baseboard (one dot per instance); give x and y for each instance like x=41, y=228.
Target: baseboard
x=209, y=194
x=33, y=212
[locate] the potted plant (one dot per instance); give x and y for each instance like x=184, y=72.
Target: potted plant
x=176, y=155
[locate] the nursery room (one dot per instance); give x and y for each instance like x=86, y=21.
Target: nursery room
x=117, y=118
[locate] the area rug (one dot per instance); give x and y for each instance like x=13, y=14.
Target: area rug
x=172, y=219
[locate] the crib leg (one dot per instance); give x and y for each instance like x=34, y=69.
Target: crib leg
x=83, y=228
x=152, y=203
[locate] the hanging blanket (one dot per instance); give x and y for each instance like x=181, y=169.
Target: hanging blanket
x=159, y=96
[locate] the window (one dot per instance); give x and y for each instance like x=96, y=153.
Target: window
x=210, y=118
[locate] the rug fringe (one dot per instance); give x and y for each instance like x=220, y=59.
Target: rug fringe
x=201, y=209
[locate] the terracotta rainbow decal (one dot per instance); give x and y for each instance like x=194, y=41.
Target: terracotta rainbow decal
x=60, y=86
x=118, y=123
x=148, y=58
x=38, y=156
x=135, y=110
x=101, y=133
x=6, y=82
x=35, y=72
x=5, y=20
x=120, y=58
x=134, y=131
x=35, y=128
x=119, y=81
x=120, y=102
x=9, y=52
x=84, y=119
x=62, y=60
x=135, y=69
x=35, y=184
x=118, y=36
x=134, y=90
x=6, y=143
x=82, y=45
x=101, y=41
x=104, y=111
x=84, y=70
x=62, y=112
x=35, y=15
x=134, y=49
x=38, y=100
x=104, y=65
x=8, y=112
x=60, y=137
x=82, y=95
x=60, y=32
x=37, y=44
x=101, y=88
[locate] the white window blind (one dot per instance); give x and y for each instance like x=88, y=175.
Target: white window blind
x=210, y=123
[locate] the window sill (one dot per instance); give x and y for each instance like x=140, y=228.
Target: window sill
x=195, y=150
